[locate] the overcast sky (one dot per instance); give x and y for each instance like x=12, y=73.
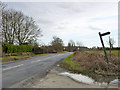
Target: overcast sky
x=80, y=21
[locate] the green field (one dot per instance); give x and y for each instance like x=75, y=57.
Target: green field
x=114, y=52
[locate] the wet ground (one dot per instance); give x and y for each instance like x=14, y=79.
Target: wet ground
x=61, y=78
x=102, y=81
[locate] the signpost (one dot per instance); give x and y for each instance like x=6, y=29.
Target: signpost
x=103, y=34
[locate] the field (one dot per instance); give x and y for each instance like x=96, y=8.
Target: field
x=114, y=52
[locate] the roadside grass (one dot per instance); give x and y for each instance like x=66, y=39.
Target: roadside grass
x=70, y=65
x=89, y=63
x=19, y=57
x=15, y=57
x=61, y=52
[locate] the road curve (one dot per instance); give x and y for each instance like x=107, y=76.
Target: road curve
x=17, y=71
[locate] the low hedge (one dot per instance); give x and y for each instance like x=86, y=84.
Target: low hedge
x=10, y=48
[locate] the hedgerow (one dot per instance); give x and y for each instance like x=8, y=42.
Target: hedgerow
x=10, y=48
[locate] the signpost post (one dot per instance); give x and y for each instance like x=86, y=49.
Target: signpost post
x=103, y=44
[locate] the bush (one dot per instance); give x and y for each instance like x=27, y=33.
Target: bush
x=10, y=48
x=37, y=50
x=96, y=61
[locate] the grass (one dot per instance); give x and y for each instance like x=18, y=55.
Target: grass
x=113, y=52
x=108, y=74
x=61, y=52
x=21, y=57
x=69, y=64
x=14, y=57
x=90, y=62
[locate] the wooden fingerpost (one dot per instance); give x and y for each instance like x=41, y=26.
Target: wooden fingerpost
x=103, y=44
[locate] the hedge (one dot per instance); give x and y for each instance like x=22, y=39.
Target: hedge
x=10, y=48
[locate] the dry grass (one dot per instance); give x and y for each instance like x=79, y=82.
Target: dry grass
x=14, y=57
x=69, y=64
x=96, y=62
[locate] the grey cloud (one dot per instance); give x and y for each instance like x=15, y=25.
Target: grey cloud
x=94, y=28
x=44, y=21
x=71, y=7
x=64, y=18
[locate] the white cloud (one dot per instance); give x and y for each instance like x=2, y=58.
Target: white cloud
x=78, y=21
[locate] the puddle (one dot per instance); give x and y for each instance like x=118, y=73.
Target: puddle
x=87, y=80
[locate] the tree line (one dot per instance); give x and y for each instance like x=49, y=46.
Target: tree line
x=20, y=33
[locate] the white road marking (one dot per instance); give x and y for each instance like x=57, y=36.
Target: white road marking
x=31, y=62
x=61, y=54
x=42, y=59
x=52, y=57
x=35, y=61
x=13, y=67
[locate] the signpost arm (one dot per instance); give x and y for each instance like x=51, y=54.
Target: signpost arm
x=104, y=48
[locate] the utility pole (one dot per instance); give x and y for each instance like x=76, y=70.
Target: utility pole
x=103, y=44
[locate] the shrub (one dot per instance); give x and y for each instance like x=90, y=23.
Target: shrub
x=10, y=48
x=96, y=61
x=37, y=50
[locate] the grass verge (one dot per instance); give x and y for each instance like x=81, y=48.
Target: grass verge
x=21, y=57
x=91, y=62
x=69, y=64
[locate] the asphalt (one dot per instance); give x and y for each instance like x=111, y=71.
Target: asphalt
x=14, y=72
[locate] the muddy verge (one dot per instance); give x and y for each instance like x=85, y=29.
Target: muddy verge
x=55, y=80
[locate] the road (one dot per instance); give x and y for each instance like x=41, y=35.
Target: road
x=14, y=72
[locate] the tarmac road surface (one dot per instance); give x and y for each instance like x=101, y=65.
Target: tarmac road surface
x=14, y=72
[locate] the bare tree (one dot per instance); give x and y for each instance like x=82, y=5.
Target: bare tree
x=111, y=43
x=9, y=25
x=27, y=29
x=1, y=6
x=18, y=28
x=57, y=44
x=2, y=25
x=79, y=43
x=71, y=45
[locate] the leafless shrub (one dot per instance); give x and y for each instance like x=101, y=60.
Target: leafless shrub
x=96, y=61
